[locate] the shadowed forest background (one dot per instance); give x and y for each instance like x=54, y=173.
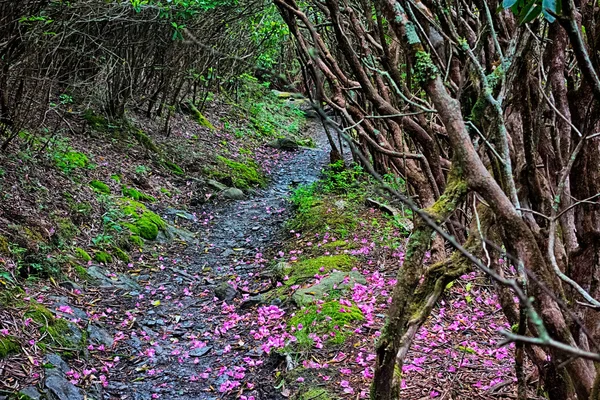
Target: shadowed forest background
x=312, y=200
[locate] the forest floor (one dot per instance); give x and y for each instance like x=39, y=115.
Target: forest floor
x=255, y=298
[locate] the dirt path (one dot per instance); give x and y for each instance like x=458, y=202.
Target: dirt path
x=183, y=343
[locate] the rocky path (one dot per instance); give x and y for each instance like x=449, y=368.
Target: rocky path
x=191, y=331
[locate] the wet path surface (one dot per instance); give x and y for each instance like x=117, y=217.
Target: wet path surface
x=183, y=342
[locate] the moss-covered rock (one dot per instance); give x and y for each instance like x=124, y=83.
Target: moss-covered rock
x=145, y=223
x=137, y=195
x=103, y=257
x=320, y=265
x=121, y=254
x=57, y=331
x=330, y=317
x=243, y=175
x=8, y=345
x=100, y=186
x=82, y=254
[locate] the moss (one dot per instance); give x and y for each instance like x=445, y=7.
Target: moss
x=121, y=254
x=312, y=266
x=81, y=272
x=455, y=191
x=166, y=192
x=64, y=334
x=424, y=68
x=39, y=314
x=339, y=244
x=103, y=257
x=145, y=141
x=135, y=239
x=137, y=195
x=146, y=223
x=174, y=168
x=147, y=228
x=327, y=318
x=200, y=118
x=12, y=297
x=82, y=254
x=66, y=229
x=243, y=175
x=4, y=249
x=97, y=122
x=315, y=394
x=8, y=345
x=116, y=178
x=100, y=186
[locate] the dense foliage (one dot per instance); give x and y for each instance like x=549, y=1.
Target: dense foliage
x=488, y=109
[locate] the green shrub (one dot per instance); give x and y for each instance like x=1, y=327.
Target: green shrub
x=70, y=161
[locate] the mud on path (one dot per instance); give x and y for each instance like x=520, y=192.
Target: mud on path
x=178, y=340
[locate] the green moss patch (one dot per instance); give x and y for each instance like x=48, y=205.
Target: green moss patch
x=103, y=257
x=81, y=272
x=100, y=186
x=243, y=175
x=82, y=254
x=145, y=141
x=310, y=267
x=174, y=168
x=121, y=254
x=57, y=331
x=200, y=118
x=146, y=223
x=315, y=394
x=327, y=318
x=137, y=195
x=8, y=345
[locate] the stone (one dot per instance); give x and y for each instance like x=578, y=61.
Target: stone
x=59, y=388
x=225, y=292
x=100, y=336
x=199, y=352
x=335, y=281
x=283, y=144
x=59, y=365
x=253, y=301
x=181, y=214
x=30, y=392
x=216, y=185
x=233, y=194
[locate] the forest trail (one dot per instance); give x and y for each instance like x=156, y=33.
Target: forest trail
x=187, y=344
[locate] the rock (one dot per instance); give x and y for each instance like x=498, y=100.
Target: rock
x=233, y=194
x=216, y=185
x=100, y=336
x=199, y=352
x=283, y=144
x=181, y=214
x=253, y=301
x=170, y=233
x=30, y=392
x=282, y=269
x=59, y=388
x=335, y=281
x=60, y=366
x=225, y=291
